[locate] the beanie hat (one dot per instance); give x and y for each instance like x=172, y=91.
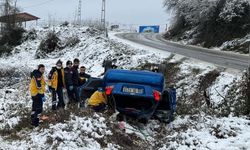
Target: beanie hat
x=76, y=60
x=68, y=62
x=59, y=62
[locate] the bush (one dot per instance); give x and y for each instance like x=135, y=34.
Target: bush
x=177, y=29
x=5, y=50
x=65, y=24
x=238, y=45
x=72, y=41
x=31, y=35
x=218, y=29
x=10, y=38
x=50, y=43
x=93, y=31
x=237, y=101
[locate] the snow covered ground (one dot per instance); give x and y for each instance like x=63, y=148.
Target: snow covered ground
x=88, y=130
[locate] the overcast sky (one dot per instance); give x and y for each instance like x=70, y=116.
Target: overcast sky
x=148, y=12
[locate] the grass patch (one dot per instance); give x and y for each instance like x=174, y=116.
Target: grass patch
x=237, y=100
x=199, y=100
x=12, y=134
x=58, y=116
x=126, y=141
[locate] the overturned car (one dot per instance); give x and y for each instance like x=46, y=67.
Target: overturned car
x=139, y=94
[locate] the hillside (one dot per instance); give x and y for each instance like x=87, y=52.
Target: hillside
x=198, y=124
x=221, y=24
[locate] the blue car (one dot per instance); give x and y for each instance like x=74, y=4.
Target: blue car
x=140, y=94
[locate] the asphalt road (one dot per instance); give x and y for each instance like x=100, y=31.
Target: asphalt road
x=225, y=59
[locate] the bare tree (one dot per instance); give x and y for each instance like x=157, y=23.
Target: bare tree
x=9, y=10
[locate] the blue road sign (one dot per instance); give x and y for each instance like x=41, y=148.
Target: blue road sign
x=145, y=29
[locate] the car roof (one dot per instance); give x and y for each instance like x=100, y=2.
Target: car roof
x=134, y=76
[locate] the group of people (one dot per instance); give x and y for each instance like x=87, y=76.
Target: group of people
x=71, y=79
x=59, y=78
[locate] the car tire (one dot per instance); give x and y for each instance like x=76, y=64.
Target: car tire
x=164, y=106
x=165, y=102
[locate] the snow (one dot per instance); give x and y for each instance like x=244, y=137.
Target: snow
x=233, y=9
x=197, y=12
x=217, y=133
x=74, y=134
x=86, y=132
x=219, y=89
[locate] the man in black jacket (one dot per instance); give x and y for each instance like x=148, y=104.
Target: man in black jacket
x=68, y=76
x=83, y=76
x=75, y=79
x=82, y=79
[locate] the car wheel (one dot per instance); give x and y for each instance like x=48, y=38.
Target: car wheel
x=164, y=104
x=163, y=111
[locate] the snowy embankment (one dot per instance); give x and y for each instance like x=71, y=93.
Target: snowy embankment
x=88, y=130
x=218, y=24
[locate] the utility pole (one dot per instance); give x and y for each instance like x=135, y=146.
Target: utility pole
x=6, y=8
x=14, y=15
x=79, y=13
x=103, y=18
x=76, y=15
x=7, y=13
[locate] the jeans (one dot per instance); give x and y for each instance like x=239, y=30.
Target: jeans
x=80, y=88
x=73, y=94
x=81, y=92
